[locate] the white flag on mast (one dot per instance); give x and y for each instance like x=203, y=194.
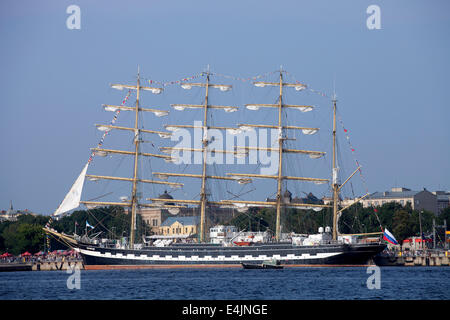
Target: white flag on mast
x=72, y=199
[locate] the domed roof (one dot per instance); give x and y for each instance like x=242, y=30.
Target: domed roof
x=165, y=195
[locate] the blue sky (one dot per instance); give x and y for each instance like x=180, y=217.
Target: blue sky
x=391, y=83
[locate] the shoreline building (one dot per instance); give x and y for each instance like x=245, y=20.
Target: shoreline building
x=443, y=199
x=11, y=214
x=155, y=217
x=184, y=226
x=419, y=200
x=287, y=198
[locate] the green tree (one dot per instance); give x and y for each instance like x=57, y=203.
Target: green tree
x=111, y=222
x=357, y=219
x=33, y=219
x=26, y=234
x=255, y=220
x=21, y=237
x=444, y=215
x=402, y=226
x=426, y=219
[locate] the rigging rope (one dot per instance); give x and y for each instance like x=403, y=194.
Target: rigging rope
x=113, y=121
x=353, y=152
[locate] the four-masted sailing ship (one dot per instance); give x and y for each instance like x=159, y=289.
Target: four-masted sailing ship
x=327, y=249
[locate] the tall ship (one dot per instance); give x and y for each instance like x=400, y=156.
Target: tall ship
x=216, y=245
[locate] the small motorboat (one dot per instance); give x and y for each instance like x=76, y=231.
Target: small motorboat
x=271, y=264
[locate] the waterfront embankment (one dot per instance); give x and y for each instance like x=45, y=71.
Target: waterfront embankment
x=409, y=259
x=41, y=265
x=53, y=266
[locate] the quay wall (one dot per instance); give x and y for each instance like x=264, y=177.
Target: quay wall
x=53, y=266
x=410, y=261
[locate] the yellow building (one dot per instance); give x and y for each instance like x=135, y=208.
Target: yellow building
x=154, y=217
x=179, y=226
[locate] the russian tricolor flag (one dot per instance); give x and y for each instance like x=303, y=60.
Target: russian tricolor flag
x=389, y=237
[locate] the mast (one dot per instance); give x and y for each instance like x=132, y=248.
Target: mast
x=280, y=161
x=240, y=151
x=205, y=156
x=72, y=199
x=420, y=226
x=336, y=186
x=205, y=149
x=134, y=200
x=278, y=204
x=335, y=176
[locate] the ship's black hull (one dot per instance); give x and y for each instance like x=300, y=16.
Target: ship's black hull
x=212, y=255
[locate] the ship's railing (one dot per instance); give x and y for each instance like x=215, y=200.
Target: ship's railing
x=334, y=242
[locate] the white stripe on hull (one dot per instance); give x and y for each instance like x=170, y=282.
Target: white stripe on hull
x=208, y=258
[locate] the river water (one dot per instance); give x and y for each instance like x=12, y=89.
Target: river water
x=392, y=283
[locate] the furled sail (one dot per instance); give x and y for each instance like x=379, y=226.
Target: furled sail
x=164, y=135
x=304, y=108
x=110, y=108
x=252, y=107
x=103, y=128
x=309, y=131
x=160, y=113
x=72, y=199
x=234, y=131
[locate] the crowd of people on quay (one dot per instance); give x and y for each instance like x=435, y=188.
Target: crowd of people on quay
x=41, y=256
